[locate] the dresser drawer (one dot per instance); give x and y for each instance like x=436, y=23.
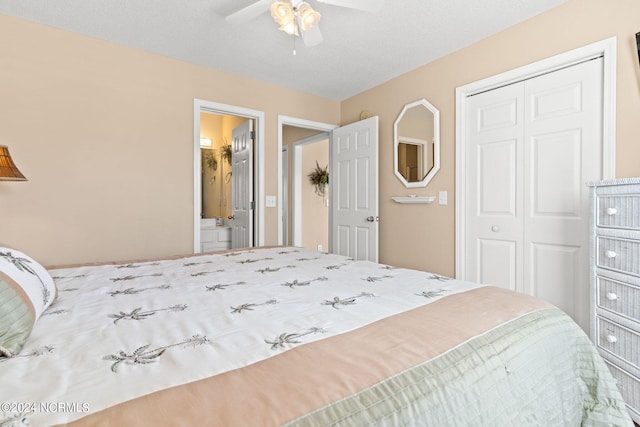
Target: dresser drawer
x=622, y=342
x=618, y=254
x=629, y=387
x=619, y=297
x=619, y=211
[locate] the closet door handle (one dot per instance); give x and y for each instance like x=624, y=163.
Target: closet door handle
x=612, y=339
x=611, y=211
x=610, y=254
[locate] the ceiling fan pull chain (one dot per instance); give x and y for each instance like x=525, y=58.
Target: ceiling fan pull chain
x=294, y=44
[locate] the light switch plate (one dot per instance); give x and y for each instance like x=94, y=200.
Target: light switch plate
x=270, y=201
x=442, y=198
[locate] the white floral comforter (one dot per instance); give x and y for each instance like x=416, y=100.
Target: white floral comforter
x=117, y=332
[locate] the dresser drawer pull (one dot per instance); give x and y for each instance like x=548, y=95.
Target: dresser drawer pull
x=612, y=339
x=610, y=254
x=611, y=296
x=611, y=211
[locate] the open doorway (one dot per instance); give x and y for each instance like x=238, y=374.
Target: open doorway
x=216, y=169
x=227, y=188
x=308, y=204
x=302, y=141
x=353, y=197
x=215, y=193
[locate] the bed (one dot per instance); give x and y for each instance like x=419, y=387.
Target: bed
x=286, y=336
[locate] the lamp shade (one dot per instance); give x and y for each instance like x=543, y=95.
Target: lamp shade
x=8, y=169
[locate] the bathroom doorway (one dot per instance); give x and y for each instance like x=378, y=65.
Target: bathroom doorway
x=214, y=220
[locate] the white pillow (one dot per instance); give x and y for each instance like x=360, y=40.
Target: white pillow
x=26, y=290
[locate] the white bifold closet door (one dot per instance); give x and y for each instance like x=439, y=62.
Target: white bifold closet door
x=532, y=145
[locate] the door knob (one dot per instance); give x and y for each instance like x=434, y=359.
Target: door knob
x=370, y=219
x=612, y=211
x=495, y=228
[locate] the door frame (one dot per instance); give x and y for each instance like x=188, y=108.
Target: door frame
x=284, y=188
x=605, y=49
x=204, y=106
x=301, y=123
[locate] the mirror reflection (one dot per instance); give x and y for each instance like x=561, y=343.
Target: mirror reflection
x=216, y=180
x=416, y=144
x=215, y=158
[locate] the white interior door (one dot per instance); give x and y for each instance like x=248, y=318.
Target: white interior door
x=242, y=186
x=532, y=146
x=353, y=197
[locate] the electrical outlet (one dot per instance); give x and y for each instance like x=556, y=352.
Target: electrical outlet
x=319, y=248
x=442, y=198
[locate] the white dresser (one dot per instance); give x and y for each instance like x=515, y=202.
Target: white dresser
x=615, y=282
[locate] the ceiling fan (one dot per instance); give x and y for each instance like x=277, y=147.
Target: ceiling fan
x=297, y=17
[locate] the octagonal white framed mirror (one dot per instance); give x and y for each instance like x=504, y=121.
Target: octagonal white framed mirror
x=416, y=150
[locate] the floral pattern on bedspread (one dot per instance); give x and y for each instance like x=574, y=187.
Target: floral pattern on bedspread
x=140, y=327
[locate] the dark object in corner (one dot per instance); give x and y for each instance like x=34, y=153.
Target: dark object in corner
x=638, y=45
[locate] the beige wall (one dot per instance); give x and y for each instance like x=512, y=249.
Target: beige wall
x=423, y=236
x=104, y=134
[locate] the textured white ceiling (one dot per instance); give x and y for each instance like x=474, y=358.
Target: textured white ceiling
x=360, y=49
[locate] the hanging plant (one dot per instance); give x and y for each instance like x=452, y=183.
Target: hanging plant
x=225, y=151
x=210, y=160
x=319, y=177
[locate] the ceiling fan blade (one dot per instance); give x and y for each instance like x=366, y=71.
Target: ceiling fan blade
x=366, y=5
x=312, y=36
x=248, y=13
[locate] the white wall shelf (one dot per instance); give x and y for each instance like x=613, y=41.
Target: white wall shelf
x=413, y=199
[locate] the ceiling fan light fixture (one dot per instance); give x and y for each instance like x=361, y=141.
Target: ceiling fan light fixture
x=309, y=18
x=289, y=17
x=284, y=14
x=281, y=11
x=290, y=28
